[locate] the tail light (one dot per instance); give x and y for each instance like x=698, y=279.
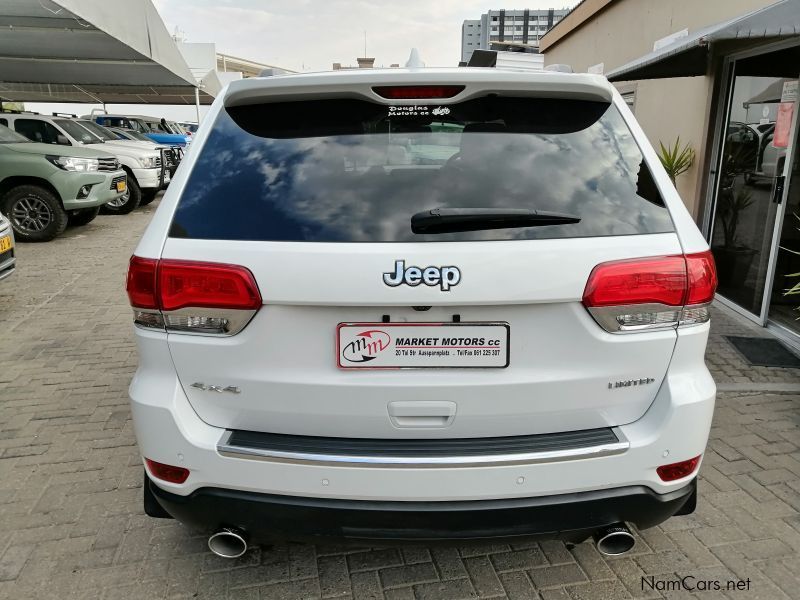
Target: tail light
x=678, y=470
x=651, y=293
x=167, y=472
x=191, y=297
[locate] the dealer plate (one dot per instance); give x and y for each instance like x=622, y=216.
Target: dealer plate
x=122, y=186
x=5, y=243
x=422, y=345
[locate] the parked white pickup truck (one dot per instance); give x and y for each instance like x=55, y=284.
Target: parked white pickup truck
x=149, y=180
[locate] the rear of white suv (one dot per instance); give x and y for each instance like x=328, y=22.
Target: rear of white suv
x=421, y=304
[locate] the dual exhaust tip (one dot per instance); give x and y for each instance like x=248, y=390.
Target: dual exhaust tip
x=613, y=540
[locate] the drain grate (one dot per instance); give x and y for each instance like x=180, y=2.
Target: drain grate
x=764, y=352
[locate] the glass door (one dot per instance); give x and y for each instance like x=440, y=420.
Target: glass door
x=785, y=297
x=758, y=136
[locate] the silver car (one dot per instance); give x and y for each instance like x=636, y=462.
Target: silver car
x=7, y=260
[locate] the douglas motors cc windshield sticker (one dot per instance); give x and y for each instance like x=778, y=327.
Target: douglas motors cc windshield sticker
x=416, y=110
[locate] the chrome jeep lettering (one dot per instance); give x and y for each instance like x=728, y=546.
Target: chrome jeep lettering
x=444, y=277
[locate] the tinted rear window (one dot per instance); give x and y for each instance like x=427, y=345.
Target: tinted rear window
x=356, y=171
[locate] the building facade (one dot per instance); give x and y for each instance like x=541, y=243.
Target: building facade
x=521, y=26
x=589, y=39
x=723, y=77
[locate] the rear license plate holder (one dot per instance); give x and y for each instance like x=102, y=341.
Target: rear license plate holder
x=463, y=345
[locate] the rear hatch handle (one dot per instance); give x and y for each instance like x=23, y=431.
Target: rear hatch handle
x=451, y=220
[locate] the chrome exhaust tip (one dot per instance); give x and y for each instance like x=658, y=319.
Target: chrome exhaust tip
x=614, y=540
x=227, y=543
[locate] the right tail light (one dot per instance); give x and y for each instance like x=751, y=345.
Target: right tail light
x=191, y=297
x=661, y=292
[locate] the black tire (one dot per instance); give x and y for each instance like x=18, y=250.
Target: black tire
x=83, y=216
x=35, y=213
x=126, y=203
x=148, y=196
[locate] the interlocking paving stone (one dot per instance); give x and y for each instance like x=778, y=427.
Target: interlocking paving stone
x=70, y=476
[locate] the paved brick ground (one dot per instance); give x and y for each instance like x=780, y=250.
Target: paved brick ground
x=71, y=524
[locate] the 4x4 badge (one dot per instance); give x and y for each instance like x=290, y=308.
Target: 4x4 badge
x=445, y=277
x=231, y=389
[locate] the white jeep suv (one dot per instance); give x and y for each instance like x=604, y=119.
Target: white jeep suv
x=420, y=304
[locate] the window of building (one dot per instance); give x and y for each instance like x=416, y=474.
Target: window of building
x=630, y=99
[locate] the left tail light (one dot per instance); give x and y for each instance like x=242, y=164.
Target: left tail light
x=191, y=297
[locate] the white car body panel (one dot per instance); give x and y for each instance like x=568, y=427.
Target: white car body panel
x=308, y=394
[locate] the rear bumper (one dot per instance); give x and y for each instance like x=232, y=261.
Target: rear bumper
x=566, y=516
x=675, y=428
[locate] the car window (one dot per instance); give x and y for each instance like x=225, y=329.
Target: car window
x=77, y=132
x=157, y=127
x=37, y=131
x=130, y=134
x=98, y=130
x=4, y=122
x=138, y=125
x=9, y=137
x=356, y=171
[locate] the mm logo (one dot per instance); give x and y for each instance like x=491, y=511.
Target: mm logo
x=366, y=346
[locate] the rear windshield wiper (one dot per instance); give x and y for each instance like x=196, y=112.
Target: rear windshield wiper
x=451, y=220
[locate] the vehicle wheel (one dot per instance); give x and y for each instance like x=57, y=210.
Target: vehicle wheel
x=35, y=213
x=148, y=196
x=127, y=202
x=83, y=216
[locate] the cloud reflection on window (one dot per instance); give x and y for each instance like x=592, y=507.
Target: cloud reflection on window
x=365, y=188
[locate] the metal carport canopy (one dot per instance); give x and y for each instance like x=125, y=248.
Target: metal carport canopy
x=688, y=56
x=107, y=51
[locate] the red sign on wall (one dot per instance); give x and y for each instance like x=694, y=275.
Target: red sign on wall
x=783, y=123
